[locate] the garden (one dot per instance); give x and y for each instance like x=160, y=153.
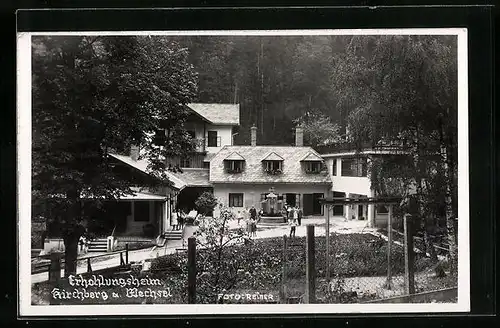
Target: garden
x=257, y=266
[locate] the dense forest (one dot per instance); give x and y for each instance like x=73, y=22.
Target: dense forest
x=280, y=79
x=275, y=79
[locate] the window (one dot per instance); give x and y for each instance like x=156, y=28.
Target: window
x=212, y=139
x=141, y=211
x=273, y=167
x=313, y=167
x=236, y=200
x=354, y=167
x=185, y=162
x=232, y=166
x=334, y=167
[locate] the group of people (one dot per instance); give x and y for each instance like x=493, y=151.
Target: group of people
x=178, y=219
x=251, y=217
x=293, y=215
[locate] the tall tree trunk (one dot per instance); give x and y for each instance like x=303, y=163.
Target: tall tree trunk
x=72, y=232
x=421, y=189
x=424, y=225
x=450, y=217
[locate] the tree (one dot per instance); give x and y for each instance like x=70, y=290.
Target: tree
x=205, y=203
x=218, y=268
x=405, y=95
x=319, y=129
x=94, y=95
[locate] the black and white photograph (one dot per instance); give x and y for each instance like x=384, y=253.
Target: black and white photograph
x=300, y=171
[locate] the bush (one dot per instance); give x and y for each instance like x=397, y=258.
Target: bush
x=169, y=263
x=206, y=203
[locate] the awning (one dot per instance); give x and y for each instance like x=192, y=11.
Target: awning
x=143, y=196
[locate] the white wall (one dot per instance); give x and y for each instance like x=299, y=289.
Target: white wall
x=355, y=185
x=252, y=192
x=225, y=134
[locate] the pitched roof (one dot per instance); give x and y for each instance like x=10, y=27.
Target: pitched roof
x=208, y=157
x=311, y=157
x=272, y=156
x=222, y=114
x=234, y=157
x=193, y=177
x=253, y=171
x=142, y=165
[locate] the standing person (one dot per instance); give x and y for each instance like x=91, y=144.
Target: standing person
x=239, y=216
x=245, y=214
x=289, y=213
x=284, y=214
x=299, y=215
x=293, y=225
x=175, y=221
x=295, y=215
x=249, y=224
x=180, y=219
x=253, y=213
x=254, y=227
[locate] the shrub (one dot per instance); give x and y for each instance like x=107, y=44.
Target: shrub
x=205, y=203
x=170, y=263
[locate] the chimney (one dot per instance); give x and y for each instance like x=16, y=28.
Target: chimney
x=134, y=152
x=253, y=135
x=299, y=136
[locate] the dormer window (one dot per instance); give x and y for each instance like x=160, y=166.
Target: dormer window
x=273, y=167
x=234, y=163
x=273, y=164
x=313, y=163
x=233, y=166
x=313, y=167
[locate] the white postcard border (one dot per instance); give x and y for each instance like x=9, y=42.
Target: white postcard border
x=24, y=195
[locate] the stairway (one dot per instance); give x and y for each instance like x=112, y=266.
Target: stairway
x=98, y=245
x=173, y=234
x=272, y=221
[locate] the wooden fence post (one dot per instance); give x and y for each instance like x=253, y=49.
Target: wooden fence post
x=126, y=253
x=327, y=241
x=283, y=299
x=192, y=270
x=310, y=266
x=409, y=255
x=89, y=266
x=55, y=267
x=389, y=247
x=55, y=274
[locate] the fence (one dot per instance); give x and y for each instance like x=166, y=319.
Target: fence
x=353, y=268
x=56, y=262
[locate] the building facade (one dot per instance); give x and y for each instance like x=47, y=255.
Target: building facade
x=265, y=177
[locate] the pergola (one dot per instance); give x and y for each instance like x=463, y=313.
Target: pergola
x=329, y=202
